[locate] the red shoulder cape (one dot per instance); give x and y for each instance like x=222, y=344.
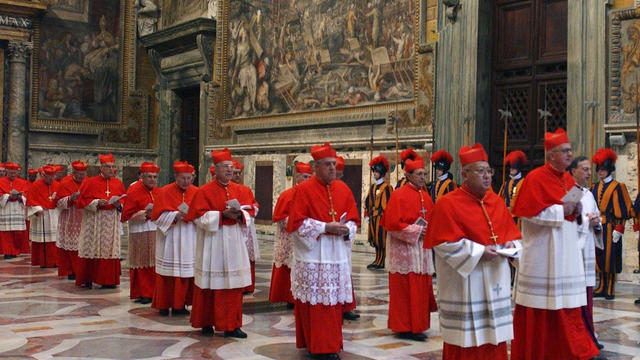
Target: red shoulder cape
x=543, y=187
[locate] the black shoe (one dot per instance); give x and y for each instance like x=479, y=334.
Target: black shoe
x=350, y=315
x=138, y=300
x=145, y=300
x=107, y=287
x=599, y=346
x=411, y=336
x=372, y=267
x=598, y=294
x=7, y=257
x=163, y=312
x=636, y=271
x=182, y=311
x=380, y=267
x=637, y=302
x=609, y=297
x=71, y=277
x=207, y=330
x=237, y=333
x=331, y=356
x=87, y=285
x=291, y=306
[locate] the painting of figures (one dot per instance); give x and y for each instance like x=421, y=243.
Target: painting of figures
x=79, y=64
x=289, y=56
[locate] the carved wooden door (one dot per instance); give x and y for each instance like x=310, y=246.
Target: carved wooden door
x=189, y=127
x=529, y=71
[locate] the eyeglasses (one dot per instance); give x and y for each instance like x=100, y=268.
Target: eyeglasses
x=483, y=171
x=564, y=151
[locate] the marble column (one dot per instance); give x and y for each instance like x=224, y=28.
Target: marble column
x=19, y=52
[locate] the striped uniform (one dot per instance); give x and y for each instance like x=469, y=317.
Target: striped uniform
x=441, y=187
x=509, y=197
x=401, y=182
x=375, y=204
x=615, y=207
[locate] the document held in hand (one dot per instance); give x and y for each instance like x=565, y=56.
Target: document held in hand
x=183, y=208
x=233, y=204
x=574, y=195
x=114, y=199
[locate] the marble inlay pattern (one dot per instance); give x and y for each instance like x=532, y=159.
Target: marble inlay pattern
x=46, y=317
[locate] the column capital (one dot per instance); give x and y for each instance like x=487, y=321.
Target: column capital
x=19, y=50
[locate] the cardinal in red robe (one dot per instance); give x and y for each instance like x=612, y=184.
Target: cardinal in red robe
x=280, y=289
x=175, y=243
x=411, y=298
x=324, y=217
x=222, y=268
x=14, y=238
x=43, y=216
x=69, y=221
x=99, y=243
x=550, y=286
x=138, y=205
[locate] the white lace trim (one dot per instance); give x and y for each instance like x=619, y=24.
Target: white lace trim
x=282, y=249
x=327, y=284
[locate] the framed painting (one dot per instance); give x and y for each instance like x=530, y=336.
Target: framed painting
x=82, y=66
x=296, y=62
x=624, y=69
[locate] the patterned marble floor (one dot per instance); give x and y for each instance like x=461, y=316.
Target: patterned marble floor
x=46, y=317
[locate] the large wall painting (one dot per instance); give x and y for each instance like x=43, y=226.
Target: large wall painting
x=81, y=67
x=288, y=57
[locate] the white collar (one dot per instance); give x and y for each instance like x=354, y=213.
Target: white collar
x=380, y=181
x=443, y=177
x=608, y=179
x=516, y=176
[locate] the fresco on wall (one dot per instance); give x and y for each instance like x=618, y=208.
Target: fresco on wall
x=79, y=59
x=290, y=56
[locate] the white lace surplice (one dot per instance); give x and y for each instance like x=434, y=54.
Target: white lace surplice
x=405, y=253
x=69, y=223
x=99, y=233
x=222, y=260
x=175, y=246
x=250, y=236
x=321, y=268
x=13, y=214
x=282, y=248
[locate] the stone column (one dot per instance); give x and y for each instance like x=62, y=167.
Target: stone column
x=170, y=113
x=586, y=72
x=463, y=76
x=19, y=51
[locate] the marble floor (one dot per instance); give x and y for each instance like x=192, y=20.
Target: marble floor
x=46, y=317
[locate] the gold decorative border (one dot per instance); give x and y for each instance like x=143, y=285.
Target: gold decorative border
x=127, y=59
x=220, y=126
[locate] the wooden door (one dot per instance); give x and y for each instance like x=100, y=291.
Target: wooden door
x=529, y=73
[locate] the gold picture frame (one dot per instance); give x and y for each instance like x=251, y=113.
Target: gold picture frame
x=54, y=117
x=224, y=122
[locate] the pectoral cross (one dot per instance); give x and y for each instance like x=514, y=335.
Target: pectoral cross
x=497, y=289
x=107, y=192
x=494, y=237
x=423, y=211
x=332, y=212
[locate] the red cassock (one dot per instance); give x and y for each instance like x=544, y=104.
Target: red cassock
x=67, y=260
x=280, y=289
x=249, y=200
x=172, y=291
x=319, y=327
x=411, y=298
x=102, y=271
x=14, y=242
x=559, y=332
x=141, y=248
x=447, y=225
x=221, y=308
x=43, y=253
